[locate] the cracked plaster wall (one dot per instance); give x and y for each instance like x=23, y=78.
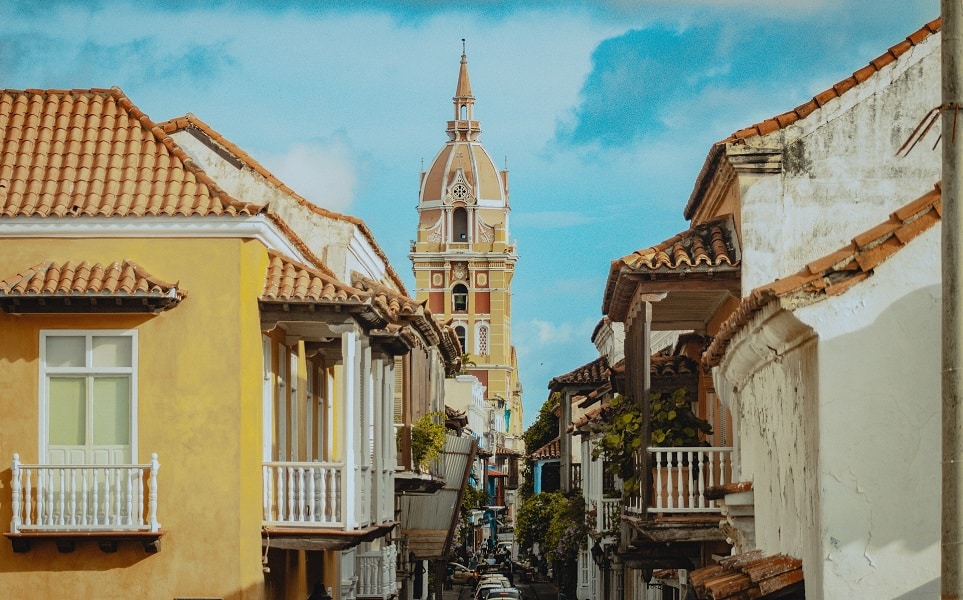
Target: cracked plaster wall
x=838, y=408
x=840, y=173
x=339, y=243
x=879, y=415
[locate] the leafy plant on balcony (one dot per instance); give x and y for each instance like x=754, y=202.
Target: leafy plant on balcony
x=427, y=439
x=673, y=424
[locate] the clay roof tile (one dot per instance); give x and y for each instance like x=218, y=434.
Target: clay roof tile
x=836, y=272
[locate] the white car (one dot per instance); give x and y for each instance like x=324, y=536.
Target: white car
x=481, y=592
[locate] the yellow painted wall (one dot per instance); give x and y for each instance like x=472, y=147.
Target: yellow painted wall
x=199, y=409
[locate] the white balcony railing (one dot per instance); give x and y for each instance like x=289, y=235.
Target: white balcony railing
x=680, y=477
x=307, y=494
x=89, y=498
x=609, y=509
x=376, y=573
x=314, y=494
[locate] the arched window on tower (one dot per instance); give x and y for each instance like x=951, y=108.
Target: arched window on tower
x=459, y=223
x=459, y=298
x=460, y=334
x=481, y=340
x=464, y=112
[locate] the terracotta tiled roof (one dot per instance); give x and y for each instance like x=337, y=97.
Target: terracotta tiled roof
x=549, y=451
x=708, y=245
x=704, y=250
x=750, y=575
x=505, y=451
x=455, y=419
x=834, y=273
x=804, y=110
x=718, y=492
x=191, y=121
x=398, y=308
x=589, y=416
x=290, y=281
x=661, y=365
x=388, y=301
x=92, y=152
x=50, y=285
x=594, y=373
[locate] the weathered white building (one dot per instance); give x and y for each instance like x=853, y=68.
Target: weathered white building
x=835, y=376
x=830, y=373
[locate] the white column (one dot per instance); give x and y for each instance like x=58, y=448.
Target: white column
x=350, y=402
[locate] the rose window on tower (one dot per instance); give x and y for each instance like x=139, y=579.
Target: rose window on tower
x=459, y=192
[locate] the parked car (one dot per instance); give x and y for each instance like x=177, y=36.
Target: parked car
x=481, y=592
x=459, y=573
x=504, y=593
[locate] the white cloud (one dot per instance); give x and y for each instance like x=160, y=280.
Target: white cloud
x=552, y=219
x=324, y=174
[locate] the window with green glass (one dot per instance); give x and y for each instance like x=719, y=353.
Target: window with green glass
x=88, y=397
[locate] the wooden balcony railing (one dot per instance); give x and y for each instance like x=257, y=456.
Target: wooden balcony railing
x=86, y=498
x=680, y=477
x=609, y=511
x=309, y=494
x=315, y=494
x=376, y=573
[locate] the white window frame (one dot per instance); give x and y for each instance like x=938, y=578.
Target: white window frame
x=43, y=372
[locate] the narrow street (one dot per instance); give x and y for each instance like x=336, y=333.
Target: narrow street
x=539, y=590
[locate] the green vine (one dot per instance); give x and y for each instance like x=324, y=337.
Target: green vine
x=673, y=424
x=427, y=439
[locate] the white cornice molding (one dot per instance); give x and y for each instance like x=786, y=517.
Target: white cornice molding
x=257, y=227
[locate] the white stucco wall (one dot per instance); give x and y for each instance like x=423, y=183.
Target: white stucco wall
x=840, y=173
x=339, y=243
x=879, y=422
x=770, y=382
x=840, y=433
x=466, y=393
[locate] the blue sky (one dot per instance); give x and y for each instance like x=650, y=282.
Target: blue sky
x=603, y=111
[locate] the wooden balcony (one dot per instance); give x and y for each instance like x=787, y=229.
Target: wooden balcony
x=672, y=519
x=315, y=506
x=609, y=512
x=376, y=573
x=68, y=503
x=680, y=477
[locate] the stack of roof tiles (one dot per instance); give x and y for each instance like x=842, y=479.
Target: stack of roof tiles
x=750, y=575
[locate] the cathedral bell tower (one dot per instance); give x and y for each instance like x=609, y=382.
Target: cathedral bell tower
x=462, y=258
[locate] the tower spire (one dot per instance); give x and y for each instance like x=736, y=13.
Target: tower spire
x=463, y=127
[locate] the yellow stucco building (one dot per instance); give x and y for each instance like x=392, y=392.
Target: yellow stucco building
x=195, y=405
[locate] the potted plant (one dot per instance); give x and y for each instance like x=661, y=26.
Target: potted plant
x=427, y=440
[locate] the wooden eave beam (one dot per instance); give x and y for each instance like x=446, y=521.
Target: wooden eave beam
x=85, y=304
x=728, y=279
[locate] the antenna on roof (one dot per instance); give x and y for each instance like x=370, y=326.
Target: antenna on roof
x=463, y=46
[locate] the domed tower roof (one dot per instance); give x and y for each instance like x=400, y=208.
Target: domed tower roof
x=463, y=172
